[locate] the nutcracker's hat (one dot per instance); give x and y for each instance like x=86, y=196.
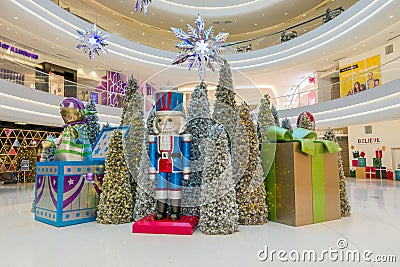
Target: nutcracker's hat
x=169, y=101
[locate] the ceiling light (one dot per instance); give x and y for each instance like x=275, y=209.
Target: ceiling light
x=124, y=63
x=390, y=17
x=255, y=24
x=15, y=17
x=364, y=45
x=57, y=38
x=52, y=47
x=181, y=20
x=304, y=15
x=122, y=2
x=286, y=13
x=117, y=24
x=113, y=14
x=162, y=22
x=8, y=29
x=131, y=12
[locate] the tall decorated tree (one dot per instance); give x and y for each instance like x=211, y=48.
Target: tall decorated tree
x=286, y=124
x=275, y=115
x=198, y=125
x=344, y=201
x=132, y=115
x=145, y=195
x=116, y=200
x=226, y=113
x=250, y=191
x=218, y=212
x=305, y=122
x=49, y=153
x=93, y=126
x=265, y=118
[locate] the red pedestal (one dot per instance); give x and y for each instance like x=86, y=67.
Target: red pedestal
x=147, y=225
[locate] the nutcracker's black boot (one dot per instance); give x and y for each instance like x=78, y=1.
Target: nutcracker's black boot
x=161, y=209
x=175, y=209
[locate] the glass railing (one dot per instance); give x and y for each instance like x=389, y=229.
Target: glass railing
x=308, y=92
x=130, y=29
x=317, y=88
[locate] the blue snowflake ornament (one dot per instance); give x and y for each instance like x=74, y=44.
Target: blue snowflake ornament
x=142, y=5
x=92, y=41
x=199, y=47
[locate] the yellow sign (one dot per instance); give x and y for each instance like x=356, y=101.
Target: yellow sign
x=360, y=76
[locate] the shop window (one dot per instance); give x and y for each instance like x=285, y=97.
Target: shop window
x=368, y=129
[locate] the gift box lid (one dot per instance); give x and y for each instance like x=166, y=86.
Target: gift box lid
x=100, y=146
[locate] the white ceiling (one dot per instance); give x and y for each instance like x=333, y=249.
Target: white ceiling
x=39, y=34
x=234, y=16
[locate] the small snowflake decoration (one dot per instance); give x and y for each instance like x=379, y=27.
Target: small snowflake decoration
x=142, y=5
x=92, y=41
x=200, y=49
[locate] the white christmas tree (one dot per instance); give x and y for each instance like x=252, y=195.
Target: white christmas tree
x=265, y=118
x=218, y=213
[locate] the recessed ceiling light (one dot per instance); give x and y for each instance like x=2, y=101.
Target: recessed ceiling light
x=117, y=24
x=286, y=13
x=15, y=17
x=181, y=20
x=8, y=29
x=255, y=24
x=57, y=38
x=364, y=45
x=223, y=29
x=355, y=48
x=131, y=12
x=324, y=52
x=124, y=63
x=113, y=14
x=162, y=22
x=122, y=2
x=305, y=30
x=304, y=15
x=390, y=17
x=141, y=24
x=52, y=47
x=263, y=14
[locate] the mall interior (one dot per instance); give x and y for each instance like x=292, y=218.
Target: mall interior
x=199, y=132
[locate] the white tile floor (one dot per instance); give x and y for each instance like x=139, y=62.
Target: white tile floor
x=374, y=225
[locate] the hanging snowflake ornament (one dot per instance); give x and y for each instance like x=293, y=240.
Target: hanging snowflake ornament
x=92, y=41
x=142, y=5
x=199, y=47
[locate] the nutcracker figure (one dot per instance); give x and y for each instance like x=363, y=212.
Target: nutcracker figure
x=169, y=152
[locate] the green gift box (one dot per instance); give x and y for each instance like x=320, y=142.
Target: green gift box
x=362, y=162
x=377, y=162
x=302, y=179
x=381, y=173
x=352, y=173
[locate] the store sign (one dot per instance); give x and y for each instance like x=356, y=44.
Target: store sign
x=18, y=51
x=366, y=141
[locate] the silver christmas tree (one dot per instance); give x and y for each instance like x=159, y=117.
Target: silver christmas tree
x=145, y=188
x=198, y=125
x=265, y=118
x=218, y=213
x=92, y=125
x=226, y=113
x=275, y=115
x=286, y=124
x=116, y=200
x=250, y=191
x=344, y=201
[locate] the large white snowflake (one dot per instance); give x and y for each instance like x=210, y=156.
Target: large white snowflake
x=92, y=41
x=200, y=49
x=142, y=5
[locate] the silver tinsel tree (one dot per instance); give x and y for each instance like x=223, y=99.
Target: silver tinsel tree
x=250, y=191
x=275, y=115
x=286, y=124
x=226, y=113
x=265, y=118
x=305, y=122
x=92, y=125
x=116, y=200
x=145, y=189
x=132, y=115
x=48, y=154
x=344, y=201
x=198, y=125
x=218, y=212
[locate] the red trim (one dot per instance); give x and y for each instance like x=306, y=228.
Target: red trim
x=169, y=100
x=162, y=189
x=175, y=190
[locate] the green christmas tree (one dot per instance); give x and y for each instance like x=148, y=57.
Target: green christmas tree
x=265, y=118
x=226, y=113
x=305, y=122
x=286, y=124
x=92, y=125
x=116, y=200
x=344, y=201
x=218, y=212
x=145, y=196
x=132, y=115
x=198, y=125
x=48, y=154
x=275, y=115
x=250, y=191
